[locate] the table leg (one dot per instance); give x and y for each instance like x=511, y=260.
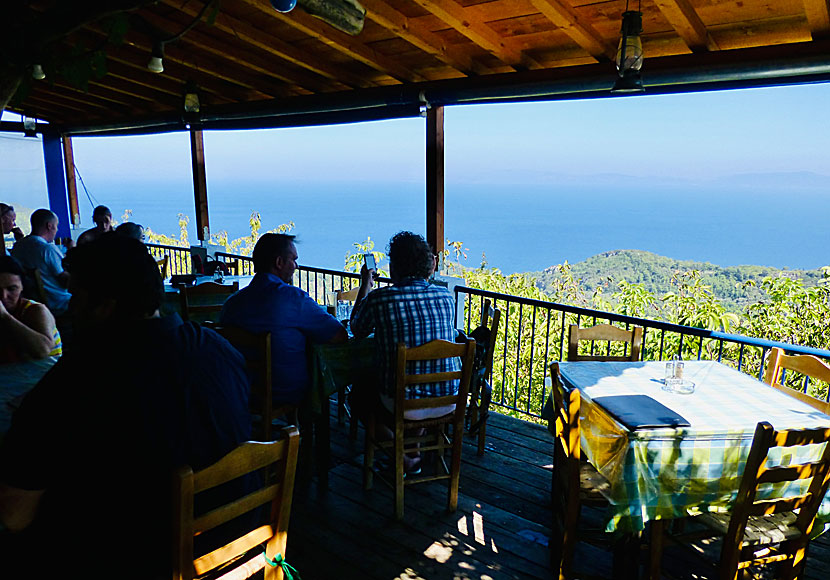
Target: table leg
x=322, y=444
x=626, y=563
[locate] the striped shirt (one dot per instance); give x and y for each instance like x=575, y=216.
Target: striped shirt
x=413, y=312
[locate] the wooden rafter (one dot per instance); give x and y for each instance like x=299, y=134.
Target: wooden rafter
x=688, y=25
x=582, y=33
x=343, y=43
x=454, y=15
x=420, y=36
x=276, y=47
x=241, y=58
x=818, y=16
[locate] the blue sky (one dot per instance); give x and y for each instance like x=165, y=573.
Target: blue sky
x=689, y=136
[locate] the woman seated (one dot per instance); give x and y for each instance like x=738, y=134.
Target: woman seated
x=27, y=328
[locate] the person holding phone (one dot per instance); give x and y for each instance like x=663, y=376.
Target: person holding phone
x=411, y=311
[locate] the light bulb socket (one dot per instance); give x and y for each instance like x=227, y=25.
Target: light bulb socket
x=37, y=72
x=29, y=126
x=156, y=63
x=632, y=23
x=630, y=82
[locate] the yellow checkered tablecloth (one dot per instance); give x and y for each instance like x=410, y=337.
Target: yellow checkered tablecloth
x=668, y=472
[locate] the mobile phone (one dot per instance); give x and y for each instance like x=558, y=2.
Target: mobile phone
x=369, y=260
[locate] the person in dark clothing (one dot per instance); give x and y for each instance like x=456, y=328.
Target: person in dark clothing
x=85, y=469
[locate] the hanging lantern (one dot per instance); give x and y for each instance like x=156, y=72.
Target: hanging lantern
x=630, y=54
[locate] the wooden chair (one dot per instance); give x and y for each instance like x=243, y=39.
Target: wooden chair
x=209, y=298
x=347, y=295
x=162, y=263
x=256, y=348
x=279, y=459
x=480, y=388
x=605, y=333
x=575, y=482
x=807, y=365
x=440, y=442
x=762, y=531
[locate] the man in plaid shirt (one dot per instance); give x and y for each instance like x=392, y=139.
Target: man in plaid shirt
x=411, y=311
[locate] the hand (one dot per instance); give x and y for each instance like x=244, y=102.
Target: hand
x=367, y=276
x=18, y=233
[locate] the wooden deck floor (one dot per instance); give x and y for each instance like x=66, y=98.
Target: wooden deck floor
x=500, y=530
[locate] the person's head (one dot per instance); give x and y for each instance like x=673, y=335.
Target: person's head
x=11, y=282
x=44, y=224
x=113, y=279
x=102, y=216
x=131, y=230
x=276, y=254
x=7, y=218
x=410, y=256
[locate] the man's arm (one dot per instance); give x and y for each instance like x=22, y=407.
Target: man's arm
x=367, y=279
x=18, y=506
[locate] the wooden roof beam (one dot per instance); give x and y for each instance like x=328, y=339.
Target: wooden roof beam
x=582, y=33
x=415, y=33
x=454, y=15
x=276, y=47
x=339, y=41
x=688, y=25
x=241, y=58
x=818, y=16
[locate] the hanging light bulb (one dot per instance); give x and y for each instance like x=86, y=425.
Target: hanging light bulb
x=156, y=64
x=283, y=5
x=29, y=126
x=37, y=72
x=630, y=54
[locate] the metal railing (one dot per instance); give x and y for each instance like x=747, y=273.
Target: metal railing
x=534, y=333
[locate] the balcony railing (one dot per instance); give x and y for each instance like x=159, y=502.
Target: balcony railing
x=534, y=333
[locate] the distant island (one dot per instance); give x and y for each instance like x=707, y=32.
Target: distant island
x=655, y=272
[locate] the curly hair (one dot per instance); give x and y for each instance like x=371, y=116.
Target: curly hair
x=410, y=256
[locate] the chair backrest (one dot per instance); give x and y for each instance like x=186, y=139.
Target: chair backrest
x=347, y=295
x=759, y=473
x=210, y=298
x=807, y=365
x=490, y=318
x=434, y=350
x=256, y=348
x=162, y=264
x=35, y=290
x=278, y=459
x=605, y=333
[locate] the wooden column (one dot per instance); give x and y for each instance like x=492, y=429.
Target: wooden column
x=435, y=178
x=71, y=185
x=197, y=157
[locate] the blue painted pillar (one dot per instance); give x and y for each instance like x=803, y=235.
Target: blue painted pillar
x=56, y=182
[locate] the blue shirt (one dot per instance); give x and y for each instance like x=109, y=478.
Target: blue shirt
x=413, y=312
x=268, y=304
x=35, y=252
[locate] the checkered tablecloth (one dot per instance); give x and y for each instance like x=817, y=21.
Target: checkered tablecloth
x=668, y=472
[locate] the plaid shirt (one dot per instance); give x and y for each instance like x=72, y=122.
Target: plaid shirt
x=413, y=312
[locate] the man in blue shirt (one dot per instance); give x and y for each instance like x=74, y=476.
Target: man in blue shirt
x=271, y=304
x=37, y=251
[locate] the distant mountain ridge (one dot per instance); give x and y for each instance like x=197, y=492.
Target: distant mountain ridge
x=654, y=272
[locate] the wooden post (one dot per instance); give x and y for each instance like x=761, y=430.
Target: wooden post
x=435, y=178
x=197, y=157
x=71, y=185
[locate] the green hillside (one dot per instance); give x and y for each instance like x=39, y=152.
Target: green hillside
x=655, y=272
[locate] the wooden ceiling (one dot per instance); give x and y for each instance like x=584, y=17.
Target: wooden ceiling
x=254, y=66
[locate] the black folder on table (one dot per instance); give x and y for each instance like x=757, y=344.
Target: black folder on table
x=640, y=412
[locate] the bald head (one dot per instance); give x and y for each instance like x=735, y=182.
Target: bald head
x=44, y=224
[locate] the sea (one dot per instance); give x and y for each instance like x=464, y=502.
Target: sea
x=773, y=220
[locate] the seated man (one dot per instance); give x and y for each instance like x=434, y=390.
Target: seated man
x=91, y=449
x=102, y=217
x=131, y=230
x=37, y=251
x=411, y=311
x=271, y=304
